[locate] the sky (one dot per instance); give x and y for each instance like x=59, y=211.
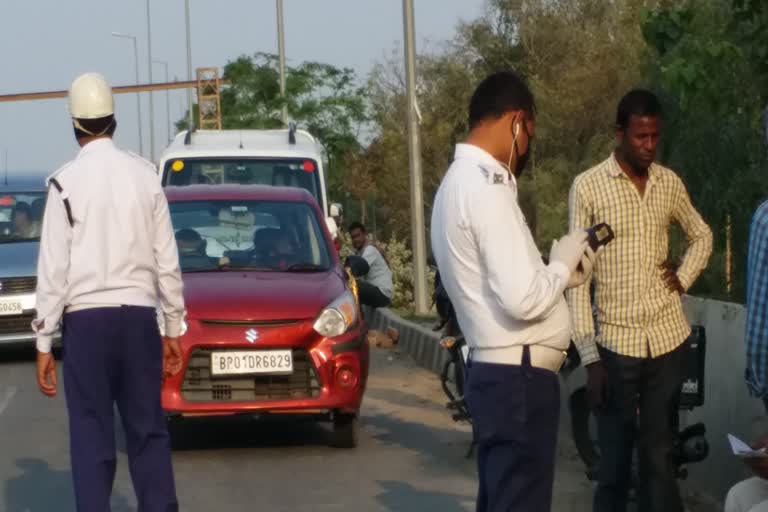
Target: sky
x=45, y=44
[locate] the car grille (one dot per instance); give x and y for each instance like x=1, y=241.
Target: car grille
x=14, y=285
x=16, y=324
x=199, y=386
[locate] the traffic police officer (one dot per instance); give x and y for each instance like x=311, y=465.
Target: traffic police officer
x=107, y=258
x=510, y=305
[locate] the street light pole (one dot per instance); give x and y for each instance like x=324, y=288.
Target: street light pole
x=138, y=98
x=414, y=157
x=167, y=99
x=151, y=101
x=190, y=114
x=281, y=51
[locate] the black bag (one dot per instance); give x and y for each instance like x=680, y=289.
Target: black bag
x=357, y=265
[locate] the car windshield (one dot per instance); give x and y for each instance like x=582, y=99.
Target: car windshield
x=21, y=216
x=288, y=172
x=271, y=236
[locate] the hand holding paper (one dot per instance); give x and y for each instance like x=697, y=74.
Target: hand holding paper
x=742, y=449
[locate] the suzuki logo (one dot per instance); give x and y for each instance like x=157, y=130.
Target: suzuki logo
x=251, y=335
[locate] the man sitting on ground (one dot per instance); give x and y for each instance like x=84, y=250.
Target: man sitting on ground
x=375, y=288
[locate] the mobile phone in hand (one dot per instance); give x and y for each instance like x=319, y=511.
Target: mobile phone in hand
x=599, y=235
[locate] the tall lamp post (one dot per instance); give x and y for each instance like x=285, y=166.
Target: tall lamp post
x=190, y=114
x=138, y=98
x=151, y=101
x=281, y=51
x=414, y=157
x=164, y=63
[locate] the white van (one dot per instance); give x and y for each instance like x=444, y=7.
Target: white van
x=287, y=157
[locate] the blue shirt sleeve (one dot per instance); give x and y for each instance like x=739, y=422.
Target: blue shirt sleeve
x=756, y=331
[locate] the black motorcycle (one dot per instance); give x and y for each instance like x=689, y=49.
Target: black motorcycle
x=453, y=375
x=690, y=444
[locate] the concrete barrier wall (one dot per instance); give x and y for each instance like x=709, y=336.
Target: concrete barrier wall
x=728, y=407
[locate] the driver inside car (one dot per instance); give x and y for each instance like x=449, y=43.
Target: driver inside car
x=273, y=247
x=192, y=250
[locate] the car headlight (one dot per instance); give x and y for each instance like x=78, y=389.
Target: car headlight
x=337, y=317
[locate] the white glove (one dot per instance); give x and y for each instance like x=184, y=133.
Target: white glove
x=569, y=249
x=584, y=271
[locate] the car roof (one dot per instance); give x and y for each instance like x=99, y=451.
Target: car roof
x=22, y=181
x=242, y=143
x=237, y=192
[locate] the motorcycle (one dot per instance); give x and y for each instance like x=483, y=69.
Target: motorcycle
x=453, y=374
x=690, y=443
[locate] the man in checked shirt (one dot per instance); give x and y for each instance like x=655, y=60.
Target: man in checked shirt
x=636, y=359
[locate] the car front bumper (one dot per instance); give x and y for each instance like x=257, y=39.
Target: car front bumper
x=316, y=381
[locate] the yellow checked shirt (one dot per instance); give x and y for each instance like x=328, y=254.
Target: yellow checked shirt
x=637, y=314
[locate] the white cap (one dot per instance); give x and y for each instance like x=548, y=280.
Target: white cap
x=90, y=97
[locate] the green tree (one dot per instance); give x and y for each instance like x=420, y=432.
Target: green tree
x=710, y=68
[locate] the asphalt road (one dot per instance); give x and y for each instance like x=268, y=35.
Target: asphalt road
x=411, y=456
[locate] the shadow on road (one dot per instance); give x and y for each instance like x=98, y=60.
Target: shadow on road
x=41, y=488
x=247, y=432
x=21, y=353
x=403, y=497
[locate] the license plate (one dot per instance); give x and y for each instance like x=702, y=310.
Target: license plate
x=242, y=362
x=10, y=307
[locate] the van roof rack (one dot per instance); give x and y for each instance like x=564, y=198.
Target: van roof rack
x=188, y=136
x=292, y=132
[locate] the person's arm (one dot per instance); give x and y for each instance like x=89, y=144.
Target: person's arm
x=168, y=271
x=522, y=287
x=697, y=232
x=579, y=300
x=52, y=269
x=755, y=333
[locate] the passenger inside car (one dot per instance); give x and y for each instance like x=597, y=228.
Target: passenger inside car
x=23, y=227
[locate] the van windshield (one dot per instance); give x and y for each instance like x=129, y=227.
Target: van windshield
x=286, y=172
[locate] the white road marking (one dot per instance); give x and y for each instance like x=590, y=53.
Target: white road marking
x=5, y=398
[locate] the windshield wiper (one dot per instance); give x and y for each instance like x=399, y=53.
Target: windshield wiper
x=250, y=267
x=306, y=267
x=201, y=269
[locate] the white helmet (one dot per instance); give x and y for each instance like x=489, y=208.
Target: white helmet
x=90, y=97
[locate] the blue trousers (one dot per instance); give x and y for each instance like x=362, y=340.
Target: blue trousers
x=114, y=356
x=515, y=412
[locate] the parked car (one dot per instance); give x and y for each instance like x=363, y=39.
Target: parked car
x=22, y=201
x=273, y=324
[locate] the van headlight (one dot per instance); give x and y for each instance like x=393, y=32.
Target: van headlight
x=337, y=317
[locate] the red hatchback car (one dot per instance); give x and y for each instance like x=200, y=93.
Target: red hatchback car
x=273, y=323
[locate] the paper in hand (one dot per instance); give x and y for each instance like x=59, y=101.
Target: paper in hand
x=741, y=449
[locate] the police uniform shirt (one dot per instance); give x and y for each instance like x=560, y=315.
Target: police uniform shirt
x=120, y=249
x=503, y=293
